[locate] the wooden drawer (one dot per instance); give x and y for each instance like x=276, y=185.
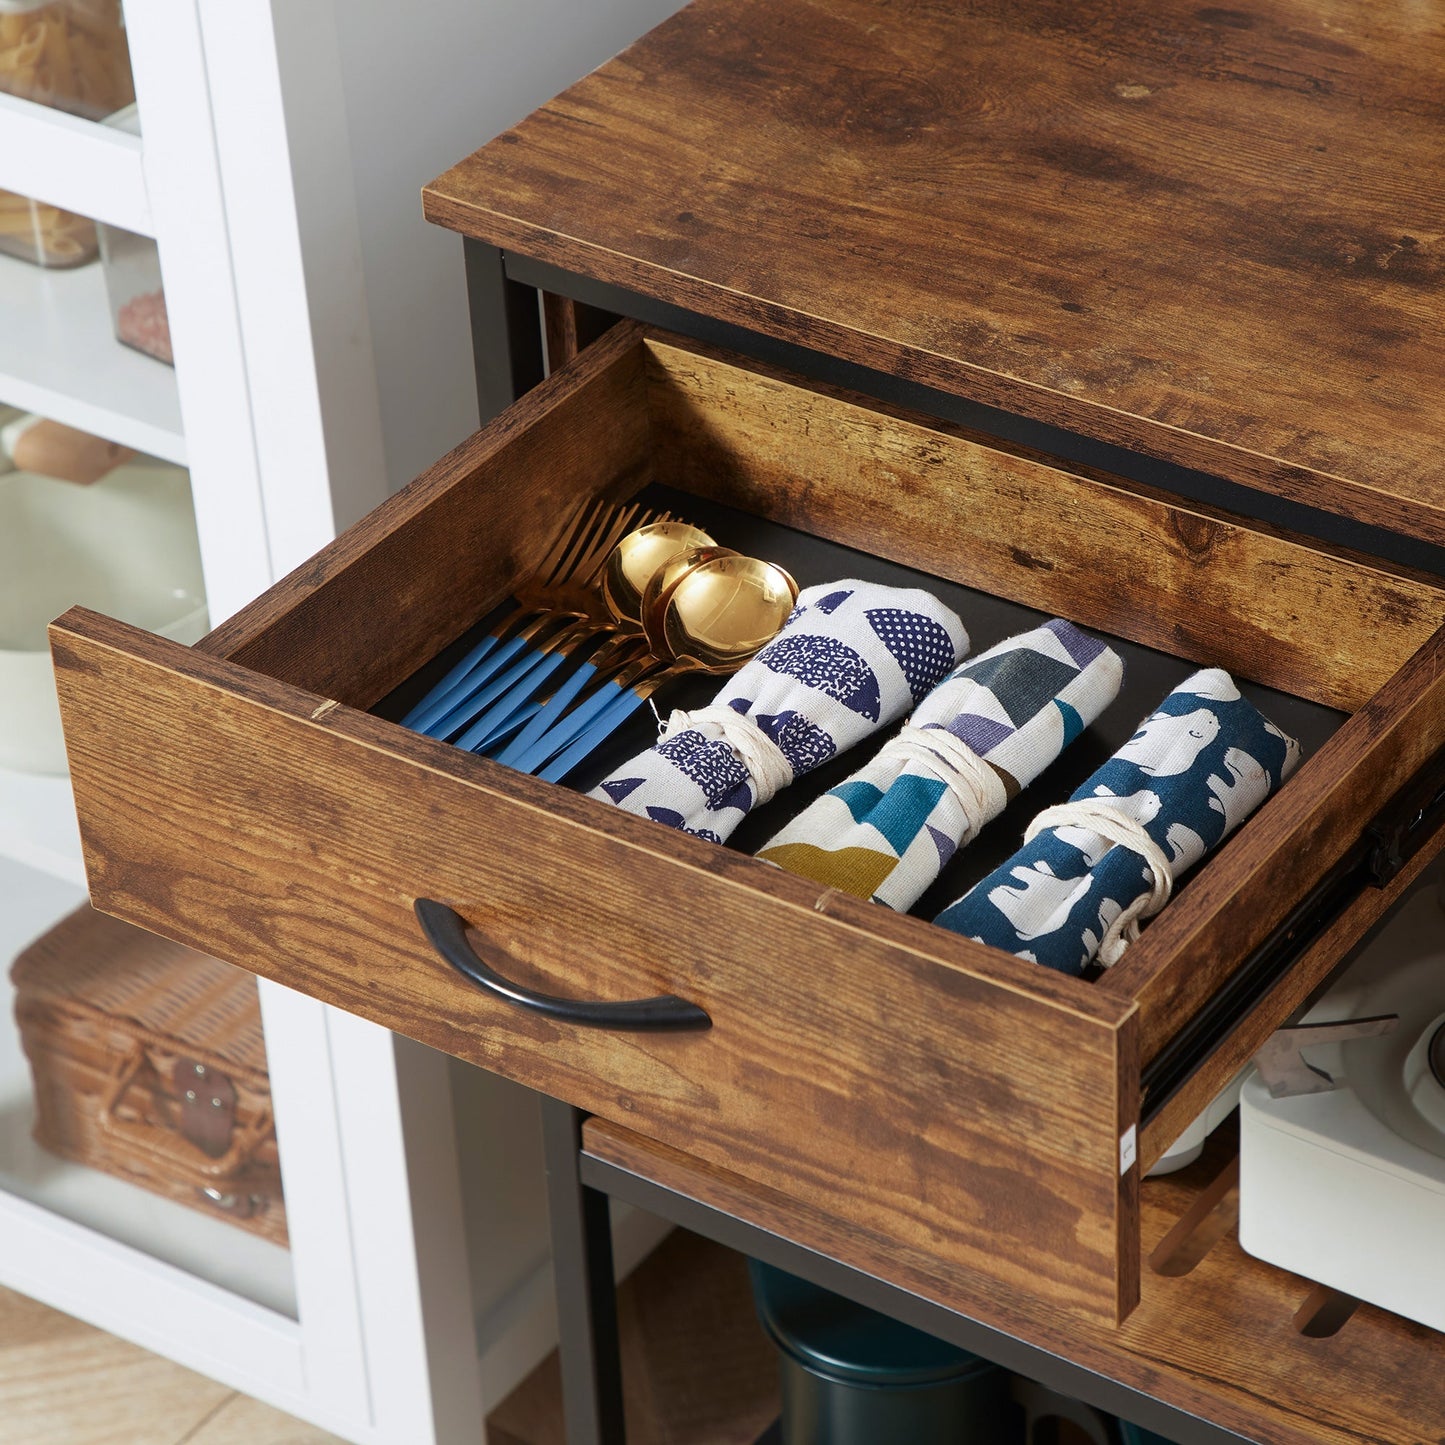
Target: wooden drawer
x=237, y=796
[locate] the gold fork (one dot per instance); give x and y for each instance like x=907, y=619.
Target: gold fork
x=563, y=588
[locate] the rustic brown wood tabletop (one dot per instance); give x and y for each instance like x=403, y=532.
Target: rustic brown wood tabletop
x=1214, y=235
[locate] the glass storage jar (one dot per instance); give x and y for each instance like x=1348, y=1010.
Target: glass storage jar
x=133, y=279
x=44, y=234
x=70, y=54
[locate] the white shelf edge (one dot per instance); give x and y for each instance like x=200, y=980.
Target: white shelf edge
x=38, y=826
x=157, y=1305
x=95, y=170
x=59, y=357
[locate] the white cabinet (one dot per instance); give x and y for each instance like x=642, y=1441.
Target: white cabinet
x=322, y=358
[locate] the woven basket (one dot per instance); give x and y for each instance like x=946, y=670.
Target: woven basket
x=149, y=1063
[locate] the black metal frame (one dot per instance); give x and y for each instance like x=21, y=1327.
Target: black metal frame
x=600, y=1177
x=587, y=1342
x=507, y=333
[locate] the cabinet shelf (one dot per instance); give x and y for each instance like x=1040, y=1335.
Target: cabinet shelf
x=59, y=357
x=95, y=170
x=211, y=1249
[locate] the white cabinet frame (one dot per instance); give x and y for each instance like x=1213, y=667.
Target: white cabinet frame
x=274, y=169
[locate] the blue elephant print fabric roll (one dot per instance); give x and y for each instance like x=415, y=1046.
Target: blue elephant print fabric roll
x=1092, y=869
x=983, y=734
x=852, y=658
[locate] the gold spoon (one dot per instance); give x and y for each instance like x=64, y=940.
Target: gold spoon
x=637, y=557
x=723, y=611
x=663, y=582
x=625, y=575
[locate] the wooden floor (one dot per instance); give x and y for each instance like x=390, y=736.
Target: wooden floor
x=698, y=1372
x=64, y=1383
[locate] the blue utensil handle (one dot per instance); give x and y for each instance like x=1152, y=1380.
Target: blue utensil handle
x=621, y=709
x=438, y=720
x=564, y=732
x=578, y=720
x=505, y=728
x=455, y=674
x=571, y=727
x=517, y=751
x=502, y=701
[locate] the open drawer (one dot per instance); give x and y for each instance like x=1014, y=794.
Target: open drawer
x=238, y=797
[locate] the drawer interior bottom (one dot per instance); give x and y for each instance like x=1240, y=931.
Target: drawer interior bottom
x=1148, y=675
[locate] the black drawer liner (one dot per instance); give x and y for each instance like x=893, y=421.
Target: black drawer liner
x=1148, y=676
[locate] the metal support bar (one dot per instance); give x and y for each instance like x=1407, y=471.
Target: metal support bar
x=1387, y=843
x=506, y=331
x=587, y=1340
x=1012, y=1353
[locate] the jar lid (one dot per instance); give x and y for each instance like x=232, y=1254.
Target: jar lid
x=20, y=7
x=838, y=1339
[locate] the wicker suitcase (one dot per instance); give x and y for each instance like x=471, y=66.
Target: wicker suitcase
x=149, y=1063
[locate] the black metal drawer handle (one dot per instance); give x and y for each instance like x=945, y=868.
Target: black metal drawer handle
x=447, y=931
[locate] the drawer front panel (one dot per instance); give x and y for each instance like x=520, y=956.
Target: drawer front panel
x=976, y=1118
x=902, y=1078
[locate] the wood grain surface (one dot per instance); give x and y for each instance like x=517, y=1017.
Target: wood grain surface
x=697, y=1368
x=417, y=571
x=1219, y=1340
x=1200, y=585
x=1210, y=234
x=856, y=1056
x=248, y=811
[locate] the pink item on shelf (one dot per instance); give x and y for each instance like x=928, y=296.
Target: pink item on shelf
x=142, y=323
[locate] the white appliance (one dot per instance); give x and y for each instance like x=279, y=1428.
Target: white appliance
x=1345, y=1185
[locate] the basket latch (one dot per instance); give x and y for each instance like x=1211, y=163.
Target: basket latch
x=208, y=1106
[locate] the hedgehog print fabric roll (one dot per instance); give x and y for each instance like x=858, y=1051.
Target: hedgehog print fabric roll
x=983, y=734
x=1093, y=868
x=853, y=657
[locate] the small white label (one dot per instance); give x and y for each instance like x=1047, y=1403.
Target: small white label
x=1128, y=1148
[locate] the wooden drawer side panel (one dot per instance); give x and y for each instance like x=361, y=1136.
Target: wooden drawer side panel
x=1231, y=906
x=966, y=1116
x=408, y=578
x=929, y=496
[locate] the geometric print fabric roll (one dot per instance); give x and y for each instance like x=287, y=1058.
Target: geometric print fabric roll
x=852, y=657
x=887, y=832
x=1195, y=769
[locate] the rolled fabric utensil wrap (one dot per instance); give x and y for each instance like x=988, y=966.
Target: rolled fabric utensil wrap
x=1093, y=868
x=851, y=658
x=982, y=735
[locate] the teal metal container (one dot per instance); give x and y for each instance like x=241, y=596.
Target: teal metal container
x=852, y=1376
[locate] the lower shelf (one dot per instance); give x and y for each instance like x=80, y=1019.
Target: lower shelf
x=210, y=1249
x=1219, y=1336
x=59, y=357
x=697, y=1368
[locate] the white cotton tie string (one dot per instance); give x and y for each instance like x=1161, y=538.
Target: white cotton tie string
x=978, y=789
x=768, y=769
x=1096, y=815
